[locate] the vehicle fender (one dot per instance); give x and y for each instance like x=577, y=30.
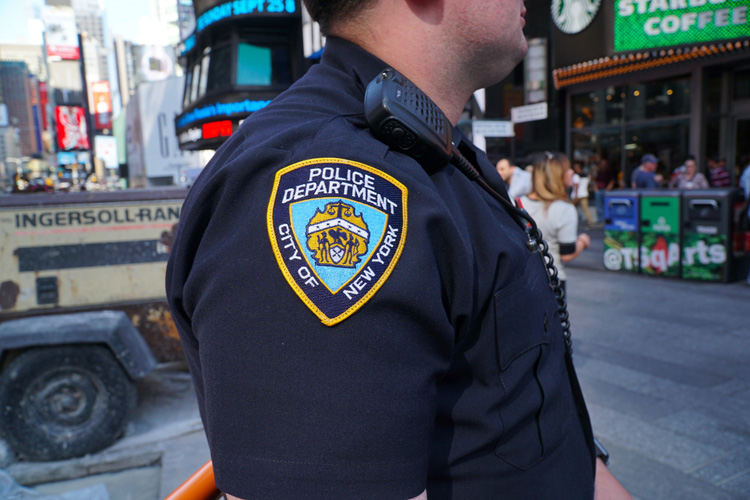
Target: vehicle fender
x=112, y=328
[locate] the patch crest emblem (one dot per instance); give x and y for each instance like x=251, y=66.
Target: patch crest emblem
x=337, y=228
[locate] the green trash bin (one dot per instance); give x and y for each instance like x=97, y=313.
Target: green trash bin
x=709, y=250
x=621, y=235
x=660, y=233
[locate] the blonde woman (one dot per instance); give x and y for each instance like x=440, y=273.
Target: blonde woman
x=556, y=216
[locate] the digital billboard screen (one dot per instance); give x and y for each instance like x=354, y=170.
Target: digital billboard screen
x=72, y=132
x=647, y=24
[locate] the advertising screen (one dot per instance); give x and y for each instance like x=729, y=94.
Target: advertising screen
x=106, y=150
x=102, y=104
x=72, y=132
x=647, y=24
x=60, y=33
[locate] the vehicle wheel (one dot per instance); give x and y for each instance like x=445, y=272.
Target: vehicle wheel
x=64, y=401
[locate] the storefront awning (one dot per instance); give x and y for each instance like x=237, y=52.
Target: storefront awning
x=617, y=65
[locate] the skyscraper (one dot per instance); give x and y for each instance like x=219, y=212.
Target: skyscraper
x=19, y=96
x=32, y=55
x=90, y=20
x=165, y=12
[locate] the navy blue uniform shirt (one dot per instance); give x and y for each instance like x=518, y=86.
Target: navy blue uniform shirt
x=360, y=328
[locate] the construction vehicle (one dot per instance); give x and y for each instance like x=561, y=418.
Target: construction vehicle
x=83, y=314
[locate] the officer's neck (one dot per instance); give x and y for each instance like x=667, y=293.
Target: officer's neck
x=408, y=47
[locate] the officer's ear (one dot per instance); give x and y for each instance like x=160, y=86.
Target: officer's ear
x=428, y=11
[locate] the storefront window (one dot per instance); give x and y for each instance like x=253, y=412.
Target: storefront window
x=253, y=65
x=712, y=91
x=742, y=84
x=598, y=107
x=219, y=69
x=591, y=148
x=204, y=73
x=668, y=140
x=186, y=94
x=658, y=99
x=195, y=80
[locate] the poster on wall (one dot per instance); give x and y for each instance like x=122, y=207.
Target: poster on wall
x=102, y=104
x=106, y=150
x=60, y=33
x=645, y=25
x=72, y=133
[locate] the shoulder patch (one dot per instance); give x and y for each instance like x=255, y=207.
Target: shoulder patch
x=337, y=228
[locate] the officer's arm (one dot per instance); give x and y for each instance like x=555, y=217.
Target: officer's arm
x=606, y=486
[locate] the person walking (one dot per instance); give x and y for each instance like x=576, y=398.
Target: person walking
x=362, y=326
x=550, y=207
x=581, y=192
x=689, y=178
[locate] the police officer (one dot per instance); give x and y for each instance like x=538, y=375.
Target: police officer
x=358, y=326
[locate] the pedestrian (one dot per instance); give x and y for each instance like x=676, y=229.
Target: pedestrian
x=550, y=207
x=689, y=178
x=359, y=325
x=517, y=180
x=745, y=185
x=718, y=175
x=581, y=192
x=644, y=177
x=605, y=182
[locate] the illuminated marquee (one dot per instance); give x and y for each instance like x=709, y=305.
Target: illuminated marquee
x=190, y=135
x=221, y=109
x=212, y=130
x=645, y=24
x=242, y=8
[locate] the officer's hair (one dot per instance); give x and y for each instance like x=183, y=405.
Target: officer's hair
x=548, y=177
x=328, y=12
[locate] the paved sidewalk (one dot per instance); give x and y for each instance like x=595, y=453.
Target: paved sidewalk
x=163, y=445
x=664, y=367
x=663, y=364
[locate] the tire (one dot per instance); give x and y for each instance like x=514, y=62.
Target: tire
x=64, y=401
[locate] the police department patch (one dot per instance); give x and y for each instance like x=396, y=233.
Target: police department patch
x=337, y=228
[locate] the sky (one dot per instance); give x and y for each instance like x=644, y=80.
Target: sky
x=122, y=18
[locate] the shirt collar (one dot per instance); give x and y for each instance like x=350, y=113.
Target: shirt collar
x=352, y=59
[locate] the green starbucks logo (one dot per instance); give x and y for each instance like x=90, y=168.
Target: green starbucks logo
x=573, y=16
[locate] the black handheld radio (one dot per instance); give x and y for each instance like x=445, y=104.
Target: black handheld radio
x=405, y=118
x=408, y=121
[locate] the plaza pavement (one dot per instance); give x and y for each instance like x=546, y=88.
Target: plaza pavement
x=663, y=364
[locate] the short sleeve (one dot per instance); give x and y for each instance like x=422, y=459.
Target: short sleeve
x=295, y=408
x=566, y=223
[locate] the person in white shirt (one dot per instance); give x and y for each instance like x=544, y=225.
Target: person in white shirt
x=555, y=215
x=516, y=179
x=580, y=193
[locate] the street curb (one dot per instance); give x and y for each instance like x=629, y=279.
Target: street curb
x=143, y=450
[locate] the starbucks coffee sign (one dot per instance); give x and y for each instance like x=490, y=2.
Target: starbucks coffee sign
x=646, y=24
x=573, y=16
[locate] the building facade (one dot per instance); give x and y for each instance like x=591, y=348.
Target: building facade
x=666, y=78
x=32, y=55
x=240, y=56
x=21, y=97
